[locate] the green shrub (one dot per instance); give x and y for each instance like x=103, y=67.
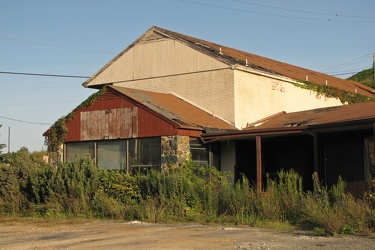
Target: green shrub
x=284, y=196
x=187, y=193
x=318, y=213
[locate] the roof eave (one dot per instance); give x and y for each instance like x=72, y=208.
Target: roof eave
x=357, y=124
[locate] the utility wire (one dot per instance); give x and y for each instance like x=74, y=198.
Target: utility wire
x=281, y=8
x=38, y=123
x=37, y=74
x=344, y=65
x=249, y=11
x=347, y=73
x=278, y=15
x=56, y=46
x=321, y=12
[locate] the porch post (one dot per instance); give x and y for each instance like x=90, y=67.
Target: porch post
x=316, y=152
x=259, y=162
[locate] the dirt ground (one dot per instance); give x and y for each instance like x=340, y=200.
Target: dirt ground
x=64, y=234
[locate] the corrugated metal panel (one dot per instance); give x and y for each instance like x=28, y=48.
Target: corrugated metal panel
x=109, y=124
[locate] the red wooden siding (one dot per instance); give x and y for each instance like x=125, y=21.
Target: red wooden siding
x=109, y=124
x=112, y=117
x=150, y=124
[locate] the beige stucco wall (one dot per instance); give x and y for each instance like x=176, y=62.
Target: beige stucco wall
x=210, y=90
x=155, y=58
x=257, y=97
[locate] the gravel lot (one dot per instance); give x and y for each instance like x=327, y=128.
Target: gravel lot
x=65, y=234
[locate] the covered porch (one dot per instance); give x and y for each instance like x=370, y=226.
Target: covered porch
x=332, y=149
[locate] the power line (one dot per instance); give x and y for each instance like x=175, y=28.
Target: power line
x=17, y=120
x=346, y=73
x=278, y=15
x=315, y=12
x=56, y=46
x=38, y=74
x=281, y=8
x=249, y=11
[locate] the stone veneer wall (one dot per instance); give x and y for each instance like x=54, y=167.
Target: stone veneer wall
x=174, y=150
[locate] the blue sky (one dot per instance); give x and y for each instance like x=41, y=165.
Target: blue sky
x=78, y=37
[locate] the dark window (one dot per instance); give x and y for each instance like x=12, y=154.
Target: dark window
x=79, y=149
x=111, y=154
x=199, y=151
x=144, y=152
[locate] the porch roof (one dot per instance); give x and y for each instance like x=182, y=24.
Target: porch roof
x=332, y=119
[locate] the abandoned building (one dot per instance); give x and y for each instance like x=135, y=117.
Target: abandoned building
x=169, y=96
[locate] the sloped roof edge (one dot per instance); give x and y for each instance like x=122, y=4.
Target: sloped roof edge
x=116, y=57
x=164, y=106
x=181, y=38
x=330, y=119
x=231, y=57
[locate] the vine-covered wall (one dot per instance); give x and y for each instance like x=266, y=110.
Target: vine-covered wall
x=55, y=136
x=329, y=92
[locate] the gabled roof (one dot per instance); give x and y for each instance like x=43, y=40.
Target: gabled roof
x=234, y=57
x=175, y=109
x=331, y=119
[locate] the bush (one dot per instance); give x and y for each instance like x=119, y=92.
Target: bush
x=188, y=193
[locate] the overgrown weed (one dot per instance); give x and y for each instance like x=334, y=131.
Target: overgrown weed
x=185, y=193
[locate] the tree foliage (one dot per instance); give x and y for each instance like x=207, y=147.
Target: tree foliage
x=187, y=193
x=365, y=76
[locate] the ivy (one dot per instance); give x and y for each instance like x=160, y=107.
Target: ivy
x=92, y=98
x=55, y=136
x=333, y=92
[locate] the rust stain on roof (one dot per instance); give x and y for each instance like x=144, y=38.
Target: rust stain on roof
x=234, y=56
x=322, y=116
x=175, y=109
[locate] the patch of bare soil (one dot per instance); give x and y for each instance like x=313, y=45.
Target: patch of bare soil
x=58, y=234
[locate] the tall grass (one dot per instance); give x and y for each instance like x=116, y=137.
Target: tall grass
x=188, y=193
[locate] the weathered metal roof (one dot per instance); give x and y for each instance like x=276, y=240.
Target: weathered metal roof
x=340, y=118
x=322, y=116
x=234, y=57
x=175, y=109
